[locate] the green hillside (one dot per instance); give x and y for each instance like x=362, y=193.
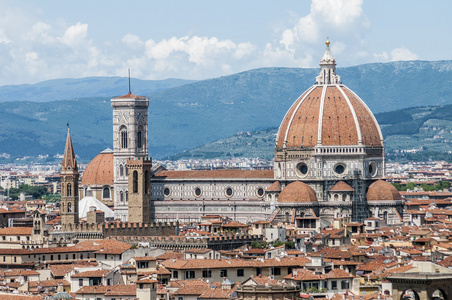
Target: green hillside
x=426, y=127
x=186, y=116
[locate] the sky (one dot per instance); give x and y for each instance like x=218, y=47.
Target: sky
x=201, y=39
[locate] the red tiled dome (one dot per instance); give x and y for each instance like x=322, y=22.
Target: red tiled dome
x=341, y=186
x=297, y=191
x=330, y=115
x=99, y=171
x=382, y=190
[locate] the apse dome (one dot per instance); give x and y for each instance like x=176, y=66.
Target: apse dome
x=297, y=191
x=382, y=190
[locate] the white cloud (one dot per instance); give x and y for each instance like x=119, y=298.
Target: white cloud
x=75, y=34
x=402, y=54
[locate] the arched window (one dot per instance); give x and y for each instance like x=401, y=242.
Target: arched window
x=140, y=140
x=146, y=182
x=121, y=171
x=69, y=207
x=123, y=137
x=135, y=182
x=68, y=190
x=106, y=193
x=121, y=196
x=127, y=196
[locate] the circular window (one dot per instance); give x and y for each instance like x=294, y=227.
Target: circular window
x=302, y=169
x=339, y=169
x=166, y=192
x=229, y=192
x=198, y=192
x=260, y=192
x=372, y=168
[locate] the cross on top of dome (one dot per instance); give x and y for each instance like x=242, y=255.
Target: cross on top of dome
x=328, y=68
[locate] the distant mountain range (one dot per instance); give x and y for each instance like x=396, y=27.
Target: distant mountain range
x=426, y=132
x=184, y=114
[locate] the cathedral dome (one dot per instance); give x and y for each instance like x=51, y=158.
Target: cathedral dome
x=382, y=190
x=100, y=170
x=297, y=191
x=328, y=114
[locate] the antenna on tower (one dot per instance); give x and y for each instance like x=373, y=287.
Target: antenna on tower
x=130, y=92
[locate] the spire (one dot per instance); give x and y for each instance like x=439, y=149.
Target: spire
x=69, y=160
x=328, y=68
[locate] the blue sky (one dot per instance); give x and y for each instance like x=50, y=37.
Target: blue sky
x=45, y=39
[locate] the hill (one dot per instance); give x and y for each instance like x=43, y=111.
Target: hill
x=64, y=89
x=428, y=129
x=187, y=116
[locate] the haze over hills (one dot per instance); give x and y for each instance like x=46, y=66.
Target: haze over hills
x=185, y=116
x=429, y=128
x=64, y=89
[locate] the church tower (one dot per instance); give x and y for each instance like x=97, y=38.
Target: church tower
x=130, y=139
x=140, y=190
x=69, y=185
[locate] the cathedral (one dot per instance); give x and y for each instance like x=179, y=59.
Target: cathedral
x=329, y=163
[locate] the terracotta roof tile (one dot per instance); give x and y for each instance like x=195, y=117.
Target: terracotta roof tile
x=217, y=174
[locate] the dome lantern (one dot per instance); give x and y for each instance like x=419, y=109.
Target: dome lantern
x=328, y=68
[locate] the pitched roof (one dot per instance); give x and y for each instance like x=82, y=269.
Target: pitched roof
x=233, y=173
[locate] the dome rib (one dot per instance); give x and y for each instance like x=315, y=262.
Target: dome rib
x=322, y=108
x=371, y=115
x=355, y=118
x=293, y=110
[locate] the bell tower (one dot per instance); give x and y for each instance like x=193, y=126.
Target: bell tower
x=69, y=185
x=140, y=190
x=130, y=139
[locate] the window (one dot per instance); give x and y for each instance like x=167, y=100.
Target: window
x=59, y=257
x=67, y=256
x=198, y=192
x=121, y=196
x=106, y=193
x=344, y=284
x=80, y=282
x=223, y=273
x=73, y=256
x=175, y=274
x=189, y=274
x=51, y=257
x=269, y=255
x=290, y=270
x=207, y=273
x=135, y=181
x=240, y=272
x=123, y=137
x=276, y=271
x=334, y=285
x=69, y=207
x=121, y=170
x=140, y=137
x=260, y=192
x=229, y=192
x=166, y=192
x=15, y=259
x=146, y=182
x=68, y=190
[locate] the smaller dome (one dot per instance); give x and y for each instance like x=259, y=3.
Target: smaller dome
x=275, y=187
x=341, y=186
x=100, y=170
x=297, y=191
x=382, y=190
